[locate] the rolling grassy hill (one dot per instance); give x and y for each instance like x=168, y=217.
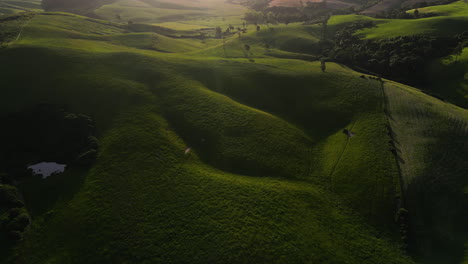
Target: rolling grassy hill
x=182, y=14
x=430, y=137
x=8, y=7
x=291, y=41
x=253, y=187
x=444, y=77
x=269, y=178
x=451, y=71
x=451, y=20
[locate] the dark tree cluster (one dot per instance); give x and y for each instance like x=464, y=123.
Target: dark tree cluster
x=400, y=13
x=310, y=13
x=431, y=3
x=45, y=133
x=400, y=58
x=257, y=4
x=14, y=218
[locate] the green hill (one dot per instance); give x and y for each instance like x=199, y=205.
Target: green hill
x=184, y=14
x=451, y=71
x=443, y=76
x=450, y=20
x=430, y=137
x=150, y=106
x=209, y=157
x=8, y=7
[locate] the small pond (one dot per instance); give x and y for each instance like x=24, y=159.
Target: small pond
x=47, y=168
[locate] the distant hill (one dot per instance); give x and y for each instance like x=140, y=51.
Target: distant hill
x=8, y=7
x=74, y=6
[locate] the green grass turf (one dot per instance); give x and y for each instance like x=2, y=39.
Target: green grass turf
x=8, y=7
x=242, y=194
x=430, y=136
x=451, y=71
x=145, y=201
x=458, y=8
x=209, y=13
x=270, y=178
x=11, y=27
x=292, y=41
x=452, y=20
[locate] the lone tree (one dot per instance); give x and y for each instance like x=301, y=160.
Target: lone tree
x=458, y=50
x=322, y=65
x=416, y=13
x=218, y=33
x=224, y=46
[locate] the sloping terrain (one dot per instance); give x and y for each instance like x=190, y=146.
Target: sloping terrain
x=444, y=77
x=253, y=185
x=451, y=19
x=221, y=152
x=333, y=4
x=208, y=13
x=430, y=137
x=16, y=6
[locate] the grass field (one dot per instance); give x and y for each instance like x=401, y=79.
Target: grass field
x=430, y=136
x=183, y=14
x=451, y=20
x=270, y=178
x=8, y=7
x=253, y=187
x=451, y=71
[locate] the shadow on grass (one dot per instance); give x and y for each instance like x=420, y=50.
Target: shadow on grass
x=437, y=203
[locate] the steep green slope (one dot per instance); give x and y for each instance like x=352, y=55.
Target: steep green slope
x=430, y=137
x=452, y=72
x=447, y=23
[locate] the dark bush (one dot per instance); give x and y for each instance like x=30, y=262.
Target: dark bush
x=15, y=235
x=9, y=196
x=19, y=223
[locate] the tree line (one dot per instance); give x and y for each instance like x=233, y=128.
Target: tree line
x=401, y=58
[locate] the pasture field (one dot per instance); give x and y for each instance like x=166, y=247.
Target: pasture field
x=252, y=186
x=8, y=7
x=451, y=71
x=230, y=151
x=208, y=13
x=430, y=138
x=451, y=20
